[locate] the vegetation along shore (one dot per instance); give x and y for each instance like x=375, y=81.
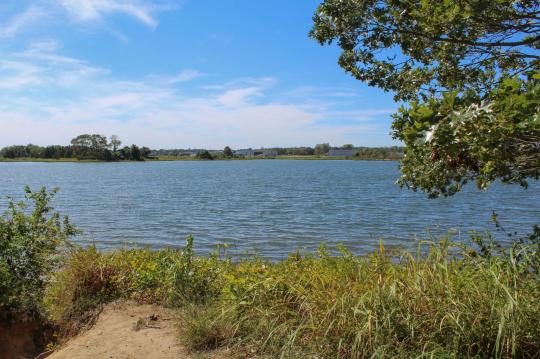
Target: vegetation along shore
x=445, y=300
x=95, y=147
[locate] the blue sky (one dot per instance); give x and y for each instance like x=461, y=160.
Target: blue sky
x=179, y=74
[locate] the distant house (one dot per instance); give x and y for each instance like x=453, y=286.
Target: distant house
x=269, y=153
x=253, y=153
x=341, y=153
x=244, y=153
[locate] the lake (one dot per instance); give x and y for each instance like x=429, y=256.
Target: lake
x=270, y=207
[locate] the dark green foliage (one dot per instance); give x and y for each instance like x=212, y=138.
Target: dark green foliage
x=83, y=147
x=417, y=49
x=135, y=153
x=31, y=234
x=204, y=155
x=33, y=151
x=227, y=152
x=91, y=147
x=458, y=139
x=295, y=151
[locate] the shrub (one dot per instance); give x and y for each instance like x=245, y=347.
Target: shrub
x=31, y=235
x=204, y=155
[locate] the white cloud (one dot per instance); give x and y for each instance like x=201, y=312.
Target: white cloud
x=46, y=97
x=41, y=67
x=238, y=97
x=22, y=21
x=96, y=10
x=84, y=11
x=185, y=75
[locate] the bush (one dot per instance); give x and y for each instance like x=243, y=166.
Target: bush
x=204, y=155
x=31, y=235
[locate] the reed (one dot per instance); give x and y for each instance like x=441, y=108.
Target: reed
x=445, y=300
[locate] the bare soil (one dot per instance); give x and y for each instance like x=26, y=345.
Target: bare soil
x=129, y=331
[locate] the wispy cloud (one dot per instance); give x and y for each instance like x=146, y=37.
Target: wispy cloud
x=45, y=12
x=185, y=75
x=47, y=97
x=22, y=21
x=96, y=10
x=238, y=97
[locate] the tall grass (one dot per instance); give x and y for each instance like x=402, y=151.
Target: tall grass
x=446, y=300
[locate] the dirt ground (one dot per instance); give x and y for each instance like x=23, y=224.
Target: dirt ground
x=129, y=331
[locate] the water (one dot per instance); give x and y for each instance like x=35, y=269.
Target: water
x=271, y=207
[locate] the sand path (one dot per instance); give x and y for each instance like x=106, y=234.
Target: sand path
x=129, y=331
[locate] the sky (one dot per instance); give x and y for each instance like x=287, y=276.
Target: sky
x=179, y=74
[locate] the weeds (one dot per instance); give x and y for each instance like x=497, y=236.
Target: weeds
x=447, y=300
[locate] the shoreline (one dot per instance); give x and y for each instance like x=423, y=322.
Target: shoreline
x=189, y=159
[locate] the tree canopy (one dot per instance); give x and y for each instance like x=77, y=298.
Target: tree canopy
x=83, y=147
x=227, y=152
x=470, y=71
x=457, y=139
x=418, y=48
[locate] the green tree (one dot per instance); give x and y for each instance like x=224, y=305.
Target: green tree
x=470, y=70
x=91, y=147
x=347, y=146
x=34, y=151
x=125, y=153
x=419, y=48
x=322, y=149
x=145, y=152
x=115, y=142
x=227, y=152
x=135, y=153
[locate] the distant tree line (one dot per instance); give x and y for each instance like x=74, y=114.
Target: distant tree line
x=82, y=147
x=376, y=153
x=379, y=153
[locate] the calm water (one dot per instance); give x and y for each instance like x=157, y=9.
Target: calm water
x=269, y=207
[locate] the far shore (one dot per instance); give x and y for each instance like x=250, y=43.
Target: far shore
x=187, y=158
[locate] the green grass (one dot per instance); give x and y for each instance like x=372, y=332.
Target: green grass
x=446, y=300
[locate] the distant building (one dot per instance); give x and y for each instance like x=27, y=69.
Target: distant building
x=244, y=153
x=341, y=153
x=268, y=153
x=190, y=153
x=253, y=153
